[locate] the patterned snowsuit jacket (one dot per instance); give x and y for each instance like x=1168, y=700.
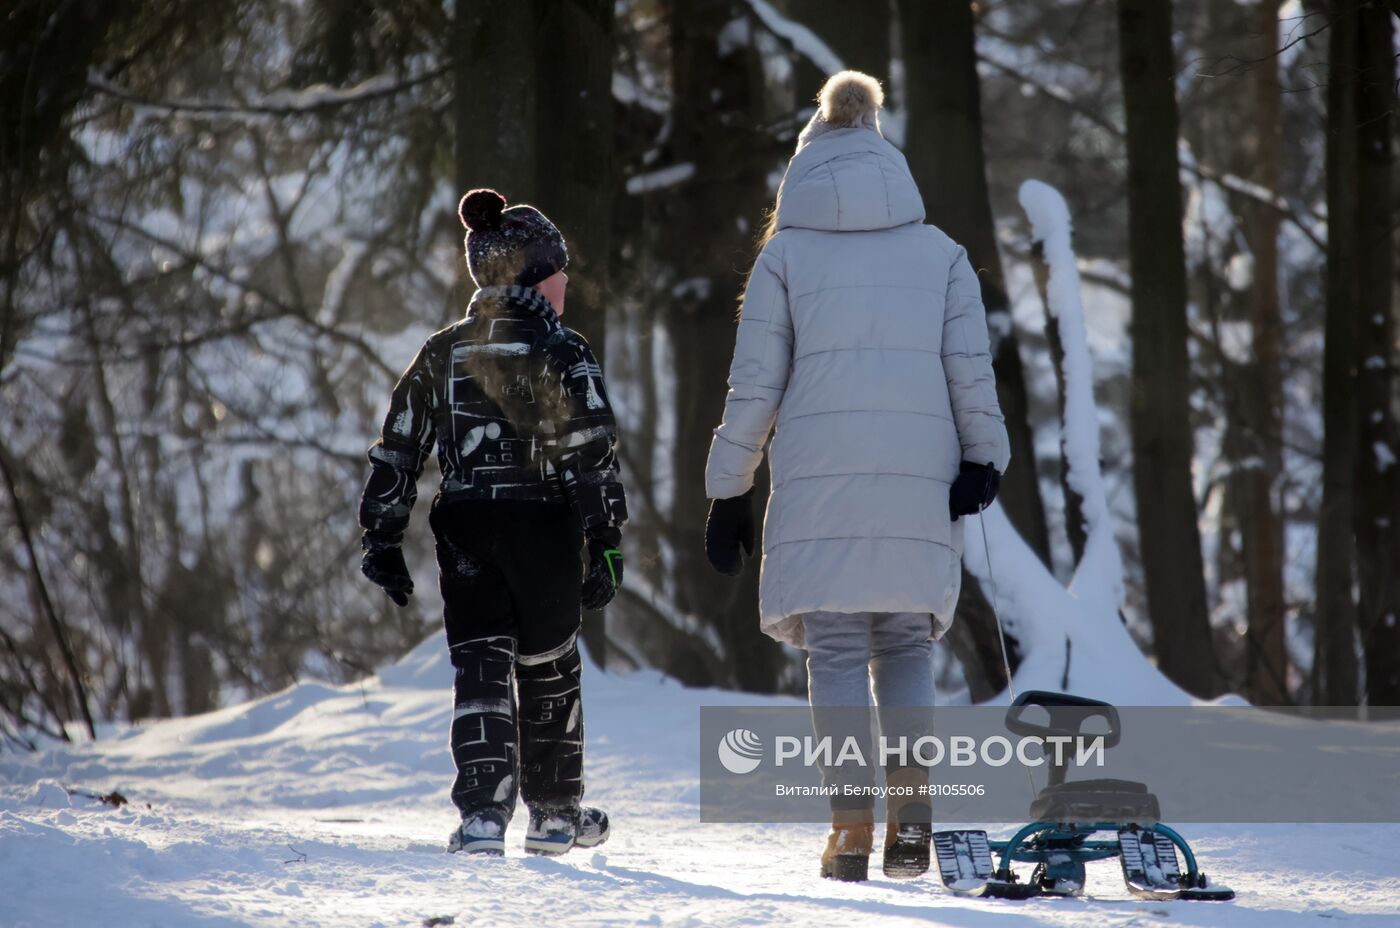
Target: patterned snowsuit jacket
x=516, y=405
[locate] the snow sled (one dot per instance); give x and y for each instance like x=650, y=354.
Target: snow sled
x=1067, y=816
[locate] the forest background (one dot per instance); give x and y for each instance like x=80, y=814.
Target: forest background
x=227, y=226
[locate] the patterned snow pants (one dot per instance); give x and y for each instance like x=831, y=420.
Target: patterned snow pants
x=510, y=575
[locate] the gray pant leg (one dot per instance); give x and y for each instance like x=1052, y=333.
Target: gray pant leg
x=901, y=659
x=902, y=669
x=838, y=687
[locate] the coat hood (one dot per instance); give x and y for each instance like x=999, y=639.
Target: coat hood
x=848, y=180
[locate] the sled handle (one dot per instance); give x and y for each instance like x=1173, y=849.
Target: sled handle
x=1067, y=715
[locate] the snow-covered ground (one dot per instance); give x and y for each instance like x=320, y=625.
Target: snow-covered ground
x=328, y=805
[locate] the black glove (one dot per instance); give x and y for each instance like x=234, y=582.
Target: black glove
x=729, y=527
x=604, y=575
x=973, y=490
x=383, y=563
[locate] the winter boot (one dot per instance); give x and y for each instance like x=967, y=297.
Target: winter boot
x=908, y=833
x=593, y=827
x=906, y=849
x=847, y=854
x=481, y=832
x=555, y=830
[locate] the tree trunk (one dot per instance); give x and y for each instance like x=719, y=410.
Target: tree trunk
x=1240, y=43
x=975, y=643
x=1162, y=437
x=537, y=125
x=1261, y=395
x=1377, y=515
x=1334, y=664
x=35, y=103
x=493, y=106
x=709, y=233
x=943, y=143
x=1266, y=664
x=495, y=98
x=574, y=174
x=862, y=42
x=944, y=146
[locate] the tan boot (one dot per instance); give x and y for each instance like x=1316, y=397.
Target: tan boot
x=847, y=854
x=908, y=833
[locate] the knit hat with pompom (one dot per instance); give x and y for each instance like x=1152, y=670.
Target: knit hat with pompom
x=509, y=247
x=848, y=100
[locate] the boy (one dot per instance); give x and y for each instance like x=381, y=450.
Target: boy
x=526, y=444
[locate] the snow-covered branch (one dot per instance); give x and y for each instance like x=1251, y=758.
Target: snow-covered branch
x=1100, y=572
x=803, y=40
x=1068, y=637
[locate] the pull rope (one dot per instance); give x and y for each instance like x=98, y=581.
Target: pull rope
x=996, y=613
x=1001, y=632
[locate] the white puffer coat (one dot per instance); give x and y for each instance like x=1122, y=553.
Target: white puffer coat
x=863, y=335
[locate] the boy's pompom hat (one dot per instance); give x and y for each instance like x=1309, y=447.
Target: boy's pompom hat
x=518, y=246
x=848, y=100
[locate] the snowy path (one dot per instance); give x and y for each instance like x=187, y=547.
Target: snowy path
x=355, y=779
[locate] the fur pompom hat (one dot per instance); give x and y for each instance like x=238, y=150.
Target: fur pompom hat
x=509, y=247
x=848, y=100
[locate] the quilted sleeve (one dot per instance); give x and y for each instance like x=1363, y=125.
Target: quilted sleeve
x=758, y=378
x=967, y=364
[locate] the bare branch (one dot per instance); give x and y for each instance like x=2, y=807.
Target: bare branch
x=283, y=310
x=1228, y=181
x=60, y=632
x=319, y=98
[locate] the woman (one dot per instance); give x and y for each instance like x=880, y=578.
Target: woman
x=863, y=335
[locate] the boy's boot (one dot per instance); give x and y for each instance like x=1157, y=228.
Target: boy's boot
x=908, y=833
x=482, y=831
x=593, y=827
x=551, y=751
x=554, y=831
x=847, y=854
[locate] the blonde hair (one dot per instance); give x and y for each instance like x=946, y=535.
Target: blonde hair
x=848, y=99
x=765, y=235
